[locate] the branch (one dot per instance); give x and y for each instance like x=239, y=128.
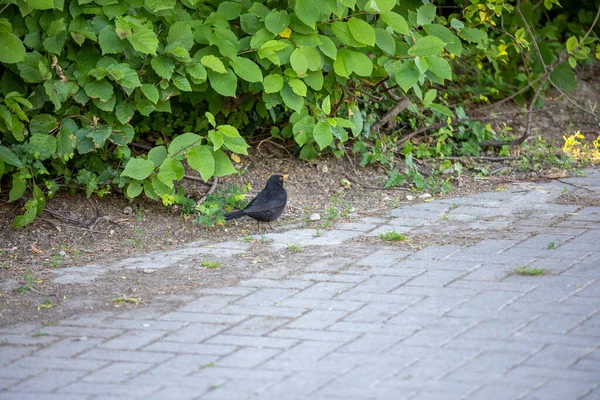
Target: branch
x=391, y=114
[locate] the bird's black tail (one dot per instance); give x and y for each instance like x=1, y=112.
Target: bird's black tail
x=234, y=215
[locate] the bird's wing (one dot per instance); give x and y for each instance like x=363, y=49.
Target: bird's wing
x=264, y=203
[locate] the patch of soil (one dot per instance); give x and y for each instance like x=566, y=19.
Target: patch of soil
x=76, y=231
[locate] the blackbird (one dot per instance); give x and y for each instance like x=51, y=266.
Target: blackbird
x=268, y=204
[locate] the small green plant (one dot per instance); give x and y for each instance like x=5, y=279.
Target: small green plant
x=57, y=256
x=39, y=333
x=453, y=206
x=212, y=211
x=210, y=264
x=263, y=238
x=247, y=239
x=29, y=282
x=529, y=271
x=294, y=247
x=392, y=236
x=552, y=245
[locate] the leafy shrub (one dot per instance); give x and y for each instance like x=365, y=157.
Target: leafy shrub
x=82, y=80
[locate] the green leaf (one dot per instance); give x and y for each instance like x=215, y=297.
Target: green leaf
x=216, y=138
x=407, y=75
x=169, y=171
x=9, y=157
x=42, y=146
x=277, y=21
x=144, y=40
x=246, y=69
x=1, y=168
x=363, y=66
x=430, y=96
x=439, y=67
x=138, y=168
x=41, y=4
x=422, y=64
x=344, y=63
x=564, y=78
x=42, y=123
x=182, y=83
x=201, y=159
x=236, y=144
x=11, y=49
x=427, y=46
x=385, y=41
x=273, y=83
x=342, y=31
x=157, y=155
x=223, y=165
x=327, y=47
x=196, y=71
x=361, y=31
x=182, y=142
x=473, y=35
x=230, y=9
x=150, y=91
x=134, y=189
x=299, y=62
x=124, y=112
x=442, y=110
x=355, y=116
x=163, y=66
x=66, y=140
x=213, y=63
x=425, y=14
x=18, y=187
x=572, y=43
x=297, y=86
x=453, y=43
x=322, y=134
x=34, y=69
x=101, y=89
x=314, y=80
x=145, y=107
x=31, y=208
x=224, y=84
x=326, y=105
x=302, y=130
x=308, y=11
x=229, y=131
x=396, y=22
x=210, y=118
x=291, y=99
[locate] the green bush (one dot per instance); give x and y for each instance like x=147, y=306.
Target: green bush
x=82, y=80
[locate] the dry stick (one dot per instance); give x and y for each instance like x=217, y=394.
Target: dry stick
x=397, y=109
x=210, y=191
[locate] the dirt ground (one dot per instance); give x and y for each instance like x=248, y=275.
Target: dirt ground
x=59, y=238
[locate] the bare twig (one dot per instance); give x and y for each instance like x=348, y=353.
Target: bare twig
x=391, y=114
x=215, y=182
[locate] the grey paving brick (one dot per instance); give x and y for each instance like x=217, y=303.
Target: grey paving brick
x=317, y=319
x=109, y=389
x=483, y=250
x=194, y=333
x=203, y=317
x=6, y=383
x=174, y=392
x=371, y=343
x=553, y=323
x=248, y=357
x=320, y=304
x=18, y=373
x=571, y=375
x=558, y=356
x=11, y=353
x=236, y=389
x=324, y=290
x=145, y=325
x=558, y=390
x=329, y=264
x=356, y=226
x=317, y=335
x=485, y=366
x=383, y=258
x=184, y=348
x=499, y=329
x=132, y=340
x=435, y=252
x=332, y=277
x=43, y=396
x=299, y=384
x=117, y=372
x=271, y=283
x=77, y=331
x=52, y=363
x=253, y=341
x=48, y=381
x=218, y=373
x=485, y=303
x=26, y=339
x=506, y=391
x=257, y=326
x=266, y=296
x=268, y=311
x=208, y=303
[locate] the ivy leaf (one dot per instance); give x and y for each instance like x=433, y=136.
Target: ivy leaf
x=361, y=31
x=213, y=63
x=150, y=91
x=163, y=66
x=201, y=159
x=246, y=69
x=223, y=165
x=396, y=22
x=407, y=75
x=170, y=170
x=439, y=67
x=427, y=46
x=425, y=14
x=144, y=40
x=273, y=83
x=322, y=134
x=224, y=84
x=138, y=168
x=308, y=11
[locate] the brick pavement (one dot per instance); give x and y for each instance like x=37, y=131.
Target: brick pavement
x=359, y=319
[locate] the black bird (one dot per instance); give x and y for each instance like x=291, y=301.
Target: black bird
x=268, y=204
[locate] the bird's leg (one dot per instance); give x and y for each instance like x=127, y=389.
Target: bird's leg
x=258, y=225
x=270, y=225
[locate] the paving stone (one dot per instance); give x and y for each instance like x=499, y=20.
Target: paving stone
x=117, y=372
x=276, y=310
x=124, y=355
x=383, y=258
x=43, y=396
x=48, y=381
x=58, y=363
x=194, y=333
x=173, y=392
x=558, y=390
x=257, y=326
x=253, y=341
x=317, y=319
x=132, y=340
x=266, y=296
x=315, y=335
x=558, y=356
x=224, y=319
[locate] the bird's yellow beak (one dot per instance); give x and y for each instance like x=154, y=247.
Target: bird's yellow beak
x=286, y=176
